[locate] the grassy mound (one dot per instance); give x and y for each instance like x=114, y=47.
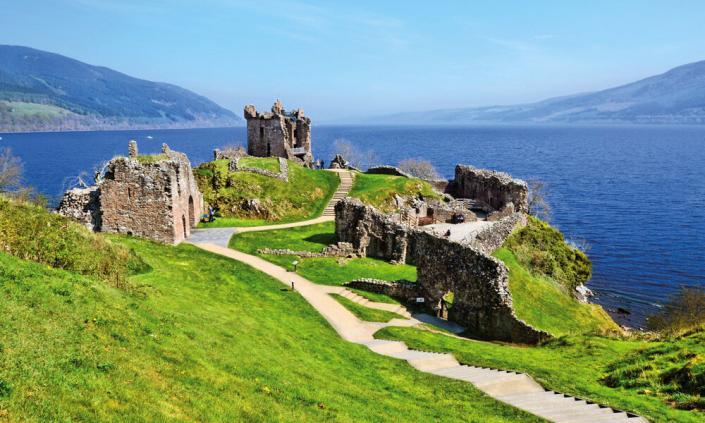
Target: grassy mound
x=212, y=340
x=543, y=272
x=543, y=250
x=323, y=270
x=379, y=190
x=365, y=313
x=31, y=233
x=303, y=197
x=267, y=163
x=673, y=371
x=576, y=365
x=545, y=304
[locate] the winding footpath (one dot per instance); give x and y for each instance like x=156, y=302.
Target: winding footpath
x=516, y=389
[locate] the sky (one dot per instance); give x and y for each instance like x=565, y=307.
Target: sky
x=342, y=60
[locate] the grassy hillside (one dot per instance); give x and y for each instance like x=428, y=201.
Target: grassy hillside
x=365, y=313
x=323, y=270
x=543, y=272
x=29, y=232
x=579, y=365
x=206, y=339
x=303, y=197
x=379, y=190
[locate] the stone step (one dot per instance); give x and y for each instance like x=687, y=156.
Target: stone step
x=385, y=347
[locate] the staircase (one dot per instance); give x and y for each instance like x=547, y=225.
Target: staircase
x=346, y=182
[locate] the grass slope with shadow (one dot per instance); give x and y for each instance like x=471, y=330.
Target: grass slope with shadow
x=365, y=313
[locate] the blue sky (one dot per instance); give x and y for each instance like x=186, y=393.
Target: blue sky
x=348, y=59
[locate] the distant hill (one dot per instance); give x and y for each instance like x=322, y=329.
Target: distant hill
x=675, y=97
x=41, y=91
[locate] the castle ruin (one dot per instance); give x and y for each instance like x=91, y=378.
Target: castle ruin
x=450, y=258
x=154, y=197
x=279, y=134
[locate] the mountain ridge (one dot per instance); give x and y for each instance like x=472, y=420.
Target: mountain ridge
x=43, y=91
x=676, y=96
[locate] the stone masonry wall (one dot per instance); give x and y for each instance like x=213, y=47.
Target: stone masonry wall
x=83, y=206
x=494, y=188
x=479, y=282
x=157, y=199
x=370, y=232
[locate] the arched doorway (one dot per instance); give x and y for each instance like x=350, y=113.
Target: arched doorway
x=191, y=212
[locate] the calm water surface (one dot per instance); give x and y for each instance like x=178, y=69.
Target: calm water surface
x=636, y=195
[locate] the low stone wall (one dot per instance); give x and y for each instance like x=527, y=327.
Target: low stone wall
x=341, y=249
x=494, y=188
x=490, y=239
x=401, y=289
x=480, y=286
x=283, y=174
x=83, y=206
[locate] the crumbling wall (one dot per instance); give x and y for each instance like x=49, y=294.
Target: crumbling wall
x=479, y=282
x=491, y=238
x=279, y=134
x=157, y=199
x=494, y=188
x=370, y=232
x=83, y=206
x=480, y=285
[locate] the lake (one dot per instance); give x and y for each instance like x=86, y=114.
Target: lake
x=634, y=195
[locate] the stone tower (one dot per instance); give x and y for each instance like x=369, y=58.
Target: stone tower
x=279, y=134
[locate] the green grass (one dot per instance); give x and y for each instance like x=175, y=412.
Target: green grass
x=374, y=297
x=151, y=158
x=323, y=270
x=379, y=190
x=574, y=365
x=547, y=305
x=266, y=163
x=24, y=110
x=29, y=232
x=365, y=313
x=204, y=339
x=303, y=197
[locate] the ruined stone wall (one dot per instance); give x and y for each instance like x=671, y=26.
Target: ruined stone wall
x=400, y=289
x=491, y=238
x=371, y=233
x=157, y=199
x=279, y=134
x=480, y=284
x=83, y=206
x=494, y=188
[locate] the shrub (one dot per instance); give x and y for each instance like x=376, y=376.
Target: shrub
x=419, y=168
x=543, y=250
x=683, y=311
x=31, y=233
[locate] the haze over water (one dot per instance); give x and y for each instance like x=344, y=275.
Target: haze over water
x=636, y=195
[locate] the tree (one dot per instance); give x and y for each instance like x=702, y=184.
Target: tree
x=10, y=171
x=356, y=158
x=538, y=205
x=419, y=168
x=683, y=311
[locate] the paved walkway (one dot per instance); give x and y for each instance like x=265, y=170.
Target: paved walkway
x=513, y=388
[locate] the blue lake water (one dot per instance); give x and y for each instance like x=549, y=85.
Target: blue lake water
x=636, y=195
